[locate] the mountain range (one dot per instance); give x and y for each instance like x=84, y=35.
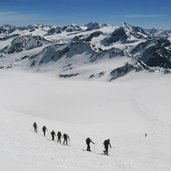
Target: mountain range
x=91, y=51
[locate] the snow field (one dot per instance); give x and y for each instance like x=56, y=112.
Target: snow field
x=123, y=111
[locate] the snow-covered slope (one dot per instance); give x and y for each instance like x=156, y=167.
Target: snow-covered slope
x=25, y=43
x=123, y=111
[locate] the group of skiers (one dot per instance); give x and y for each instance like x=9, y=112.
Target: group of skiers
x=66, y=138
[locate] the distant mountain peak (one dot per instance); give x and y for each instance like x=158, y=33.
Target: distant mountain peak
x=126, y=25
x=94, y=25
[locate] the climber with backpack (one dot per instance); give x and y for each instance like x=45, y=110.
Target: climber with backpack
x=59, y=135
x=66, y=138
x=106, y=144
x=35, y=127
x=88, y=141
x=53, y=134
x=44, y=129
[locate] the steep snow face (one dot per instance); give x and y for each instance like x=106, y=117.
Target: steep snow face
x=49, y=53
x=25, y=43
x=55, y=52
x=122, y=111
x=77, y=59
x=135, y=32
x=126, y=34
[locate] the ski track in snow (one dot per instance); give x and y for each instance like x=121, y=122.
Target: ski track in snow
x=134, y=114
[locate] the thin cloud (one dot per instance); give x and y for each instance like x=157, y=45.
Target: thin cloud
x=166, y=8
x=12, y=17
x=21, y=18
x=8, y=13
x=144, y=15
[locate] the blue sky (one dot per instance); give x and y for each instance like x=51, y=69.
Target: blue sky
x=146, y=13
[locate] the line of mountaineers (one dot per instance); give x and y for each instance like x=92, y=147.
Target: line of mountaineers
x=66, y=138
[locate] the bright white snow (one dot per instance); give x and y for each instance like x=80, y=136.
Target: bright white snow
x=123, y=110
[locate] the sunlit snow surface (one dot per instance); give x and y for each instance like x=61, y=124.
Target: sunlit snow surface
x=123, y=110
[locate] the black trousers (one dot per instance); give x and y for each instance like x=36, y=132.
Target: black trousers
x=35, y=130
x=59, y=139
x=88, y=147
x=65, y=142
x=106, y=150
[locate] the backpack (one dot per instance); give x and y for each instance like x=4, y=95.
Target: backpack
x=88, y=140
x=34, y=124
x=59, y=134
x=44, y=128
x=65, y=136
x=105, y=142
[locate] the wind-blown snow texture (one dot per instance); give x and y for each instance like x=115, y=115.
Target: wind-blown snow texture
x=79, y=52
x=123, y=111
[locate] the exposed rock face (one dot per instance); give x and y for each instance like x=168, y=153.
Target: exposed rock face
x=154, y=53
x=93, y=26
x=88, y=38
x=121, y=71
x=118, y=35
x=53, y=31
